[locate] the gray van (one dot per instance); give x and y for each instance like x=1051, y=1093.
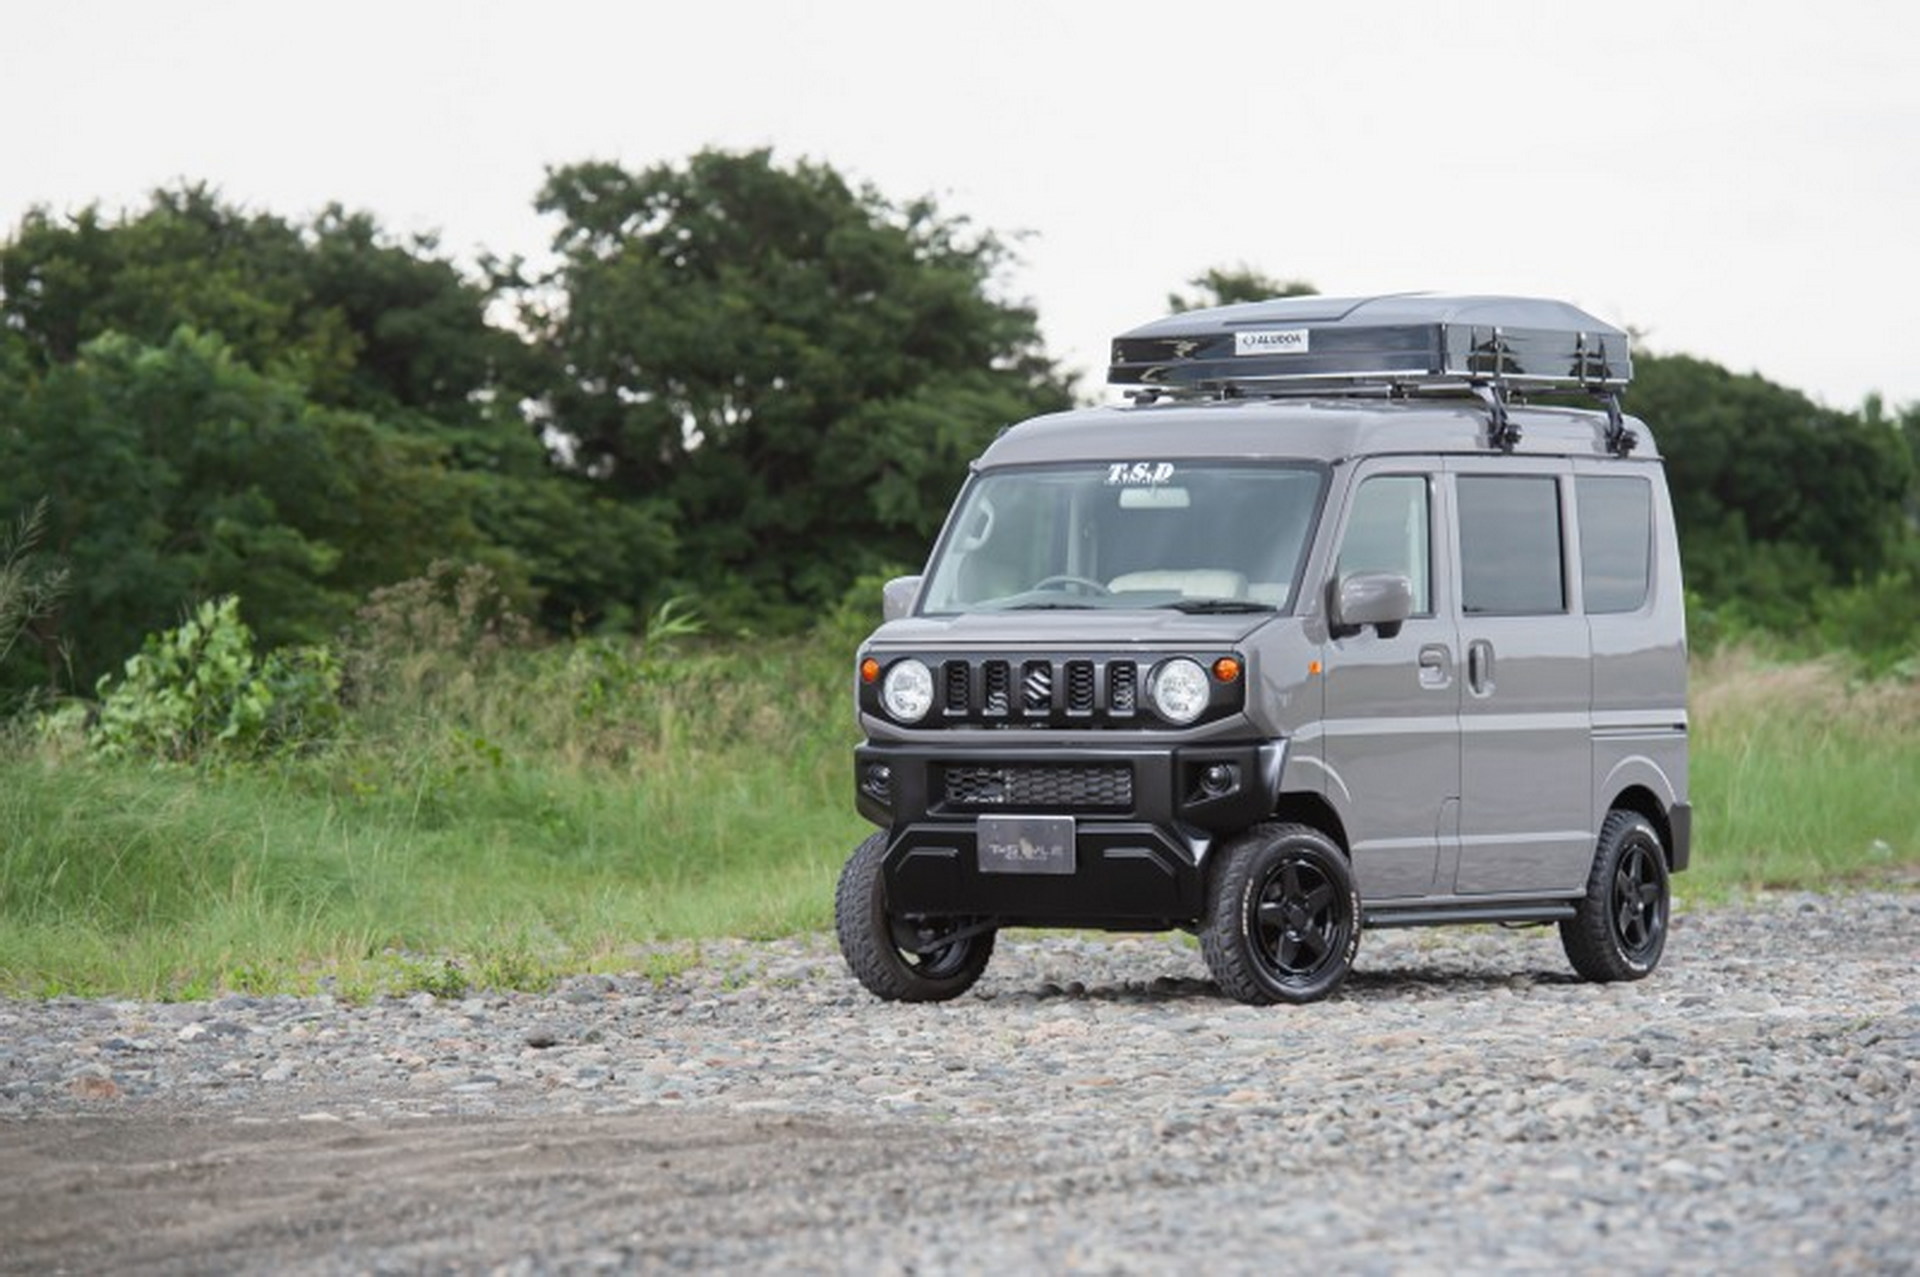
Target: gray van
x=1345, y=621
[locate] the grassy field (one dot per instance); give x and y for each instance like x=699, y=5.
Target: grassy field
x=503, y=817
x=1802, y=777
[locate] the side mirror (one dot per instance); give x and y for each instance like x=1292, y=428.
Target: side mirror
x=896, y=597
x=1383, y=600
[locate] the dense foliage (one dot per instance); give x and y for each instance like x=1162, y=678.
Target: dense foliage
x=799, y=369
x=1789, y=512
x=743, y=384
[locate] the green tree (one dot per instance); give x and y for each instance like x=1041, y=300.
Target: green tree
x=332, y=336
x=1775, y=496
x=176, y=472
x=362, y=321
x=1225, y=285
x=799, y=368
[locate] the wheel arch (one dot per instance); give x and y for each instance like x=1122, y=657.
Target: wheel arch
x=1644, y=802
x=1307, y=808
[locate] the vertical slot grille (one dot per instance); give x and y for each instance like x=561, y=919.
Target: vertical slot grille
x=1123, y=687
x=1079, y=687
x=958, y=678
x=998, y=697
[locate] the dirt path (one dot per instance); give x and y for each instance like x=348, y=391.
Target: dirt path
x=125, y=1193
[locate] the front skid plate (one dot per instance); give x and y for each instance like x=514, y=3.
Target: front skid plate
x=1123, y=874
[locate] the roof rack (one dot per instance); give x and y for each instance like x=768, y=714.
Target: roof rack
x=1398, y=344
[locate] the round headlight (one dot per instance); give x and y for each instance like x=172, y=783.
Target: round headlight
x=907, y=691
x=1179, y=691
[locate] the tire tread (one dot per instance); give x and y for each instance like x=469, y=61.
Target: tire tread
x=859, y=923
x=1227, y=955
x=1588, y=936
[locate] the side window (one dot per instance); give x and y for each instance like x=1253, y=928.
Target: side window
x=1616, y=541
x=1389, y=532
x=1510, y=552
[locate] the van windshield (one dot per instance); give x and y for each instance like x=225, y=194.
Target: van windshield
x=1198, y=536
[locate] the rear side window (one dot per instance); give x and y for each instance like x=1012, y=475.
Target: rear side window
x=1510, y=553
x=1616, y=541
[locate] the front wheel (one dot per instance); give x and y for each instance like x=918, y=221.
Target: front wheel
x=1283, y=917
x=895, y=958
x=1619, y=929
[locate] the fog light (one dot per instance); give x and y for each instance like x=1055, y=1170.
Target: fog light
x=1219, y=779
x=880, y=780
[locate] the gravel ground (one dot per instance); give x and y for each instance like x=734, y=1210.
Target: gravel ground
x=1094, y=1106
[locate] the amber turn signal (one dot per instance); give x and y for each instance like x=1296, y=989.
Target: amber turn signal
x=1226, y=669
x=869, y=670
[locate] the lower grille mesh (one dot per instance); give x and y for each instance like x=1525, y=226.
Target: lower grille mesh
x=1035, y=786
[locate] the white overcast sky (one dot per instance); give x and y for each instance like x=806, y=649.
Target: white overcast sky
x=1739, y=181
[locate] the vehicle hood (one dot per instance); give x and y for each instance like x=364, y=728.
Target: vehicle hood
x=1073, y=628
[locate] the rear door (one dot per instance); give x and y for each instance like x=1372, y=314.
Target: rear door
x=1526, y=703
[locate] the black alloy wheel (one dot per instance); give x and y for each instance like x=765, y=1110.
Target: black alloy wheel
x=1283, y=917
x=1619, y=929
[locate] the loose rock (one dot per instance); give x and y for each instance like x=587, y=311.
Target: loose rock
x=1094, y=1105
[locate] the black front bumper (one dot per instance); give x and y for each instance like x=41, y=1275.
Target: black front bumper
x=1143, y=820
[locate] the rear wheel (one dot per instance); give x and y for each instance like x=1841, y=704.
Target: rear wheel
x=1283, y=917
x=899, y=959
x=1619, y=929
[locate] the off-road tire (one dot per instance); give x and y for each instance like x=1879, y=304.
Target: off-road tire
x=881, y=950
x=1619, y=929
x=1283, y=916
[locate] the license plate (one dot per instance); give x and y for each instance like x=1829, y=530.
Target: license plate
x=1025, y=844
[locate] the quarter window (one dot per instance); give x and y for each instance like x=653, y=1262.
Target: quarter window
x=1510, y=551
x=1388, y=531
x=1616, y=542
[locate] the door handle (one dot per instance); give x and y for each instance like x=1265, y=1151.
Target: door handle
x=1480, y=667
x=1436, y=665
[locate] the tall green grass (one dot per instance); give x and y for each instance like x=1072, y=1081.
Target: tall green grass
x=1804, y=775
x=520, y=812
x=495, y=815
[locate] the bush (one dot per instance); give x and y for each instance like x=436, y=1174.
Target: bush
x=1878, y=620
x=200, y=690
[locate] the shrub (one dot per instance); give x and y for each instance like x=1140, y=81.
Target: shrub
x=200, y=690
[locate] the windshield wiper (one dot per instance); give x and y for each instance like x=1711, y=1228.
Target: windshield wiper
x=1199, y=606
x=1049, y=606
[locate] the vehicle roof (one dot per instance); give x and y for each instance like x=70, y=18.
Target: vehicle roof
x=1300, y=429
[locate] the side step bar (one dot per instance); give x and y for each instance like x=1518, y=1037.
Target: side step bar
x=1450, y=915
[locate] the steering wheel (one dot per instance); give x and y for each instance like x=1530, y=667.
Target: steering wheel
x=1066, y=579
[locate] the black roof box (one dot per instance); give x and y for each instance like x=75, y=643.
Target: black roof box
x=1411, y=341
